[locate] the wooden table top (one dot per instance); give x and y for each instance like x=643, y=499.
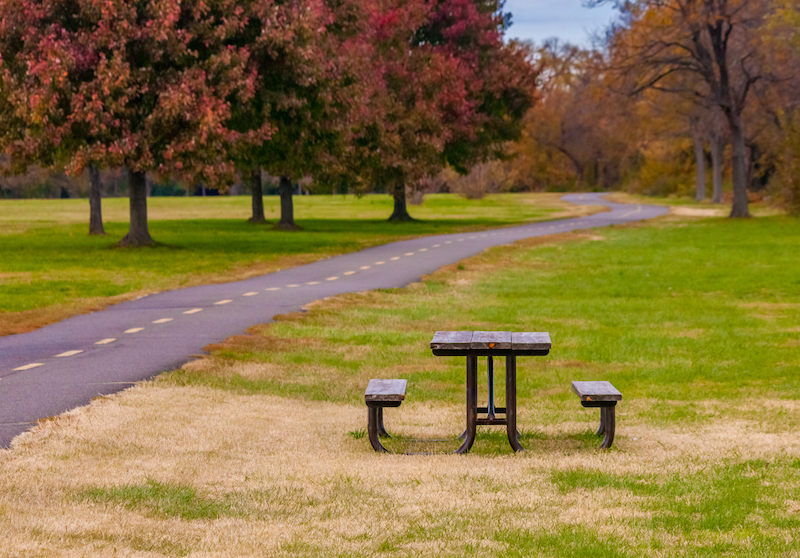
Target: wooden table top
x=490, y=343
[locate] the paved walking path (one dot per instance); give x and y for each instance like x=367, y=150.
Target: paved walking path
x=65, y=365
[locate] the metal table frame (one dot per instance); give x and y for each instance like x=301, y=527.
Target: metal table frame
x=474, y=344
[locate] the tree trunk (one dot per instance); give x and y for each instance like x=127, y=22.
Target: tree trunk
x=739, y=162
x=400, y=212
x=287, y=206
x=254, y=177
x=95, y=202
x=138, y=235
x=717, y=147
x=700, y=159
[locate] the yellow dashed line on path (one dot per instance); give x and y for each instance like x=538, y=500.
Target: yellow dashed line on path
x=449, y=242
x=331, y=279
x=409, y=254
x=29, y=366
x=194, y=311
x=364, y=267
x=423, y=249
x=292, y=286
x=69, y=353
x=395, y=258
x=106, y=341
x=348, y=273
x=134, y=330
x=223, y=302
x=379, y=263
x=435, y=245
x=249, y=294
x=163, y=321
x=461, y=239
x=313, y=283
x=273, y=289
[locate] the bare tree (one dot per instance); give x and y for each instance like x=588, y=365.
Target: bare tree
x=708, y=49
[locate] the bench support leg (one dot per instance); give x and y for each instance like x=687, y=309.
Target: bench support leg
x=607, y=426
x=374, y=420
x=381, y=429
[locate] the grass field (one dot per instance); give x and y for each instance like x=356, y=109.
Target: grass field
x=259, y=450
x=51, y=269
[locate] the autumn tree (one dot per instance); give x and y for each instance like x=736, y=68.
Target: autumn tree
x=716, y=43
x=148, y=85
x=304, y=89
x=580, y=132
x=781, y=104
x=446, y=90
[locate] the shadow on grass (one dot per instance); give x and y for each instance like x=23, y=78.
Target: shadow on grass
x=492, y=443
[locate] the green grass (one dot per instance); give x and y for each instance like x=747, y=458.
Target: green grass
x=696, y=324
x=161, y=500
x=47, y=259
x=706, y=310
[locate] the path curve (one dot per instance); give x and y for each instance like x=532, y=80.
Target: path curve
x=65, y=365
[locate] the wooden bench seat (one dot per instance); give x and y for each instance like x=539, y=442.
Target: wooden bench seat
x=380, y=394
x=604, y=396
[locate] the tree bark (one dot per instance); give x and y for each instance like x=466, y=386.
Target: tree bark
x=138, y=234
x=400, y=212
x=256, y=186
x=700, y=161
x=287, y=206
x=739, y=161
x=717, y=146
x=95, y=202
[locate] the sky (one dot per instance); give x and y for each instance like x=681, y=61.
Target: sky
x=568, y=20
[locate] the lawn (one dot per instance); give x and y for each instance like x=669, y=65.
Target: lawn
x=259, y=449
x=51, y=269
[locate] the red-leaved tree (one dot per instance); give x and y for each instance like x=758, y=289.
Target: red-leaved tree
x=145, y=84
x=308, y=79
x=446, y=89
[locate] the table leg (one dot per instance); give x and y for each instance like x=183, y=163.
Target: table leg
x=511, y=403
x=490, y=409
x=472, y=404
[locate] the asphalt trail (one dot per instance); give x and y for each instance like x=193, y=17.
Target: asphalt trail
x=65, y=365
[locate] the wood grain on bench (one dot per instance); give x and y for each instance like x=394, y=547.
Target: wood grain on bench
x=451, y=340
x=386, y=390
x=530, y=341
x=596, y=391
x=498, y=340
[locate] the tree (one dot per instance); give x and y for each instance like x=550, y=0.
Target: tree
x=146, y=84
x=305, y=88
x=710, y=49
x=447, y=90
x=95, y=203
x=580, y=131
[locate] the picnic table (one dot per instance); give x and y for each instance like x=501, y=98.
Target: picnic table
x=474, y=344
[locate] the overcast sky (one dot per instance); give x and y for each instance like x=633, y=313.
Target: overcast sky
x=568, y=20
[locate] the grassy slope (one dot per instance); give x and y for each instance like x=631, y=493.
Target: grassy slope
x=260, y=449
x=50, y=268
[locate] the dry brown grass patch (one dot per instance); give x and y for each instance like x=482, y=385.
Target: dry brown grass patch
x=697, y=211
x=263, y=342
x=320, y=487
